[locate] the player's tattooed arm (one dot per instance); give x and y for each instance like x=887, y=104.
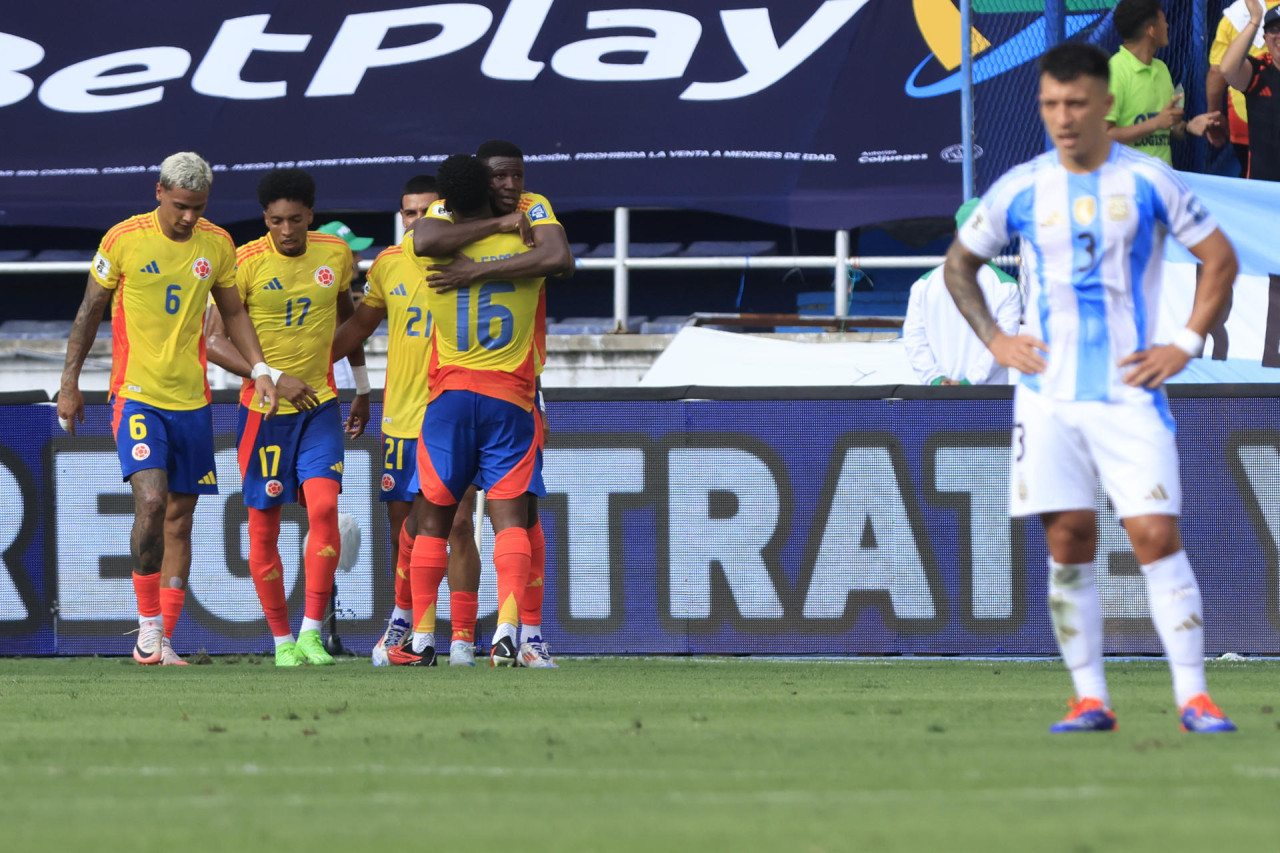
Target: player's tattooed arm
x=83, y=330
x=1021, y=352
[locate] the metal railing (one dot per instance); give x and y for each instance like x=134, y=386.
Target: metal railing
x=840, y=262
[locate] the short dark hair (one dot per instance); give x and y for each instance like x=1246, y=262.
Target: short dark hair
x=498, y=148
x=464, y=183
x=418, y=184
x=290, y=184
x=1074, y=59
x=1132, y=16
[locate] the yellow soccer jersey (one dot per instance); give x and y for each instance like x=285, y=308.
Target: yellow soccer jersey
x=483, y=336
x=540, y=212
x=293, y=303
x=397, y=285
x=157, y=310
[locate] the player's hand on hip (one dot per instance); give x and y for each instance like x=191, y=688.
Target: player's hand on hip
x=267, y=394
x=1021, y=352
x=358, y=418
x=70, y=408
x=297, y=392
x=1151, y=367
x=459, y=272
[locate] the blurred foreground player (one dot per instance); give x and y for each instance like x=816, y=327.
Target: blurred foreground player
x=1093, y=216
x=296, y=286
x=398, y=293
x=480, y=423
x=158, y=269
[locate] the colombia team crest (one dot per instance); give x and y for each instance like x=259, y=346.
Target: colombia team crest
x=274, y=488
x=202, y=269
x=325, y=277
x=388, y=482
x=141, y=451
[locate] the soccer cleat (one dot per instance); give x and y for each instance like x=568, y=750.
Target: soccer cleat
x=462, y=653
x=1201, y=716
x=406, y=656
x=311, y=647
x=395, y=635
x=535, y=654
x=146, y=650
x=1086, y=715
x=168, y=657
x=503, y=653
x=287, y=654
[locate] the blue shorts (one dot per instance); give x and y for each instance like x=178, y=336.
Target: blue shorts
x=277, y=456
x=468, y=437
x=399, y=468
x=180, y=442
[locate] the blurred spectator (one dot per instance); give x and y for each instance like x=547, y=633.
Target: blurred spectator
x=1259, y=79
x=342, y=376
x=942, y=348
x=1148, y=110
x=1234, y=19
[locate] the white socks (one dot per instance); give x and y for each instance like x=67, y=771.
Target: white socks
x=280, y=641
x=309, y=625
x=1174, y=598
x=423, y=639
x=405, y=616
x=530, y=633
x=1077, y=621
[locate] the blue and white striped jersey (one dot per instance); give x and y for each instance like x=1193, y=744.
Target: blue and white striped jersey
x=1092, y=249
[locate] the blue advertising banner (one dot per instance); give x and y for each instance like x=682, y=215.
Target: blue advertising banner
x=816, y=114
x=731, y=526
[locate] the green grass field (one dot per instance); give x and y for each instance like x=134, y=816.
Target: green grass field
x=622, y=754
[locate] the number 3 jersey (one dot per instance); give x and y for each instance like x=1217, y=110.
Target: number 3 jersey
x=483, y=337
x=397, y=284
x=1092, y=247
x=293, y=303
x=160, y=289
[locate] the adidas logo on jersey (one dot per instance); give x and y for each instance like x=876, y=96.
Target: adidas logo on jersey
x=399, y=290
x=1157, y=494
x=152, y=267
x=327, y=551
x=274, y=284
x=336, y=467
x=209, y=480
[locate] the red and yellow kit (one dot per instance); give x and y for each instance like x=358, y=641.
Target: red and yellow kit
x=397, y=284
x=539, y=211
x=483, y=336
x=292, y=302
x=157, y=312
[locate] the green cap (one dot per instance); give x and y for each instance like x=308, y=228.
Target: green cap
x=966, y=210
x=337, y=229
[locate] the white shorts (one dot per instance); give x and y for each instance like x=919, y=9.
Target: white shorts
x=1061, y=447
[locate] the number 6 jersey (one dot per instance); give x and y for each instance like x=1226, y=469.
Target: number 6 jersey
x=157, y=310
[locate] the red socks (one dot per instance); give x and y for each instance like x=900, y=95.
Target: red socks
x=531, y=594
x=427, y=568
x=266, y=568
x=146, y=588
x=462, y=615
x=404, y=560
x=321, y=557
x=511, y=557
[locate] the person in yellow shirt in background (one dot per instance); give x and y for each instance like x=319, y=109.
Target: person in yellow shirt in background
x=1235, y=18
x=296, y=286
x=158, y=270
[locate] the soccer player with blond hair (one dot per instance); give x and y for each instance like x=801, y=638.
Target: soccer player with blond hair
x=158, y=269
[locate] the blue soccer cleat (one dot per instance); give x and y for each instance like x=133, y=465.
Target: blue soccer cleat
x=1201, y=716
x=1086, y=715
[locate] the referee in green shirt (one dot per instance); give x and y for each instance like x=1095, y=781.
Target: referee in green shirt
x=1147, y=111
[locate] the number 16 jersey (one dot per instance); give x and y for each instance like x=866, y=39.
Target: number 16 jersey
x=483, y=336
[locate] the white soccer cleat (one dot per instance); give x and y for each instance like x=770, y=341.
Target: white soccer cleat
x=146, y=650
x=462, y=653
x=168, y=657
x=396, y=634
x=536, y=654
